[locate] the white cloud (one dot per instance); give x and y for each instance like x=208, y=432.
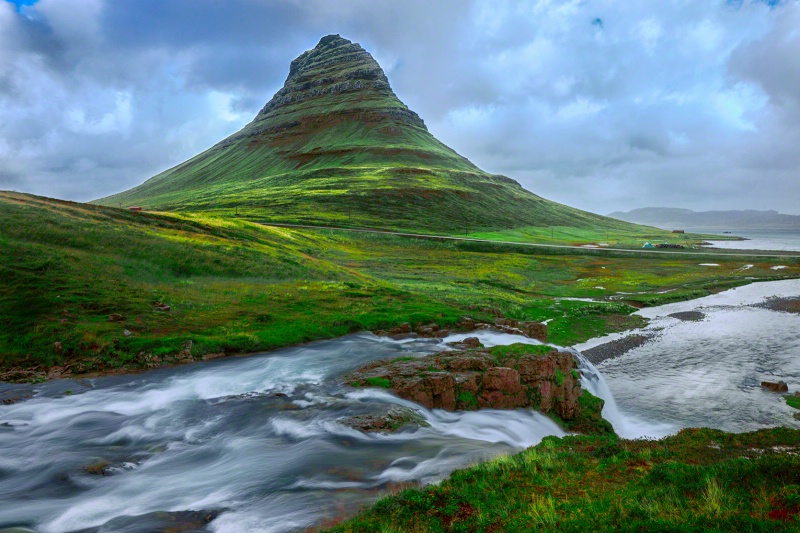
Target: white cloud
x=600, y=104
x=117, y=120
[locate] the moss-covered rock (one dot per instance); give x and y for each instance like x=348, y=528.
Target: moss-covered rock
x=395, y=419
x=503, y=377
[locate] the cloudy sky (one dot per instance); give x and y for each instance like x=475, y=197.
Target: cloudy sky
x=599, y=104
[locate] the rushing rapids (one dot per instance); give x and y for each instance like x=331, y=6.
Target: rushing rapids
x=255, y=444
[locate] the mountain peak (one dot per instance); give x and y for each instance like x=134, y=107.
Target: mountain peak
x=336, y=146
x=335, y=69
x=334, y=39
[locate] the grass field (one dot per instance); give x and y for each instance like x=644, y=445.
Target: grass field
x=700, y=480
x=82, y=275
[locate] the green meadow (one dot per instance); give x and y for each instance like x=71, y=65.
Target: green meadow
x=84, y=286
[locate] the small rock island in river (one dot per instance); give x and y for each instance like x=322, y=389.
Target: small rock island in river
x=472, y=377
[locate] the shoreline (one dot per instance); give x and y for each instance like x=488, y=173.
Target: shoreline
x=15, y=392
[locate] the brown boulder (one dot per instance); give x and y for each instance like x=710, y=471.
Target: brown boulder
x=547, y=391
x=772, y=386
x=473, y=378
x=442, y=390
x=466, y=322
x=509, y=322
x=567, y=399
x=467, y=382
x=400, y=331
x=534, y=330
x=428, y=330
x=412, y=389
x=471, y=342
x=387, y=422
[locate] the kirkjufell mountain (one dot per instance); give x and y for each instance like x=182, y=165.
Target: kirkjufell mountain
x=336, y=146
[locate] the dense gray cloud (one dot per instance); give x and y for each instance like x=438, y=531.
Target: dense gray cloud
x=599, y=104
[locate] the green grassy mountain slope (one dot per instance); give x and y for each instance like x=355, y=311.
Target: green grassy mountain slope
x=336, y=146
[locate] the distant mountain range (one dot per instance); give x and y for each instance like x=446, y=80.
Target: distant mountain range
x=673, y=218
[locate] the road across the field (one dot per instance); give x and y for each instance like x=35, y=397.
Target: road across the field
x=707, y=253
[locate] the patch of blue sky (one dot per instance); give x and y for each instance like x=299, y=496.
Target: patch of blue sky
x=22, y=3
x=770, y=3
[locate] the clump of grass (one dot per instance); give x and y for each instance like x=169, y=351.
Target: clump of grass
x=379, y=382
x=468, y=399
x=712, y=498
x=509, y=353
x=793, y=401
x=542, y=511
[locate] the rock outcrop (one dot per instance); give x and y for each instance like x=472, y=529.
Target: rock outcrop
x=773, y=386
x=391, y=420
x=503, y=377
x=336, y=65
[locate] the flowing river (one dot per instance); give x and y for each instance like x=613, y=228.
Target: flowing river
x=253, y=444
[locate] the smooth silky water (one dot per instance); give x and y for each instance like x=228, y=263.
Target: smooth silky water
x=222, y=436
x=257, y=441
x=707, y=373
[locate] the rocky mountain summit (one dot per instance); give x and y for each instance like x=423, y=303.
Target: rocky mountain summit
x=335, y=66
x=336, y=81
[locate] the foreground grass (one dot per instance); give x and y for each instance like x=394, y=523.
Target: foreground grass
x=81, y=285
x=698, y=480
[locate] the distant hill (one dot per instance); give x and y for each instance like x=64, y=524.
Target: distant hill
x=336, y=146
x=673, y=218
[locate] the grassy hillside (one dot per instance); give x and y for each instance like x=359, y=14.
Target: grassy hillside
x=336, y=146
x=700, y=480
x=232, y=285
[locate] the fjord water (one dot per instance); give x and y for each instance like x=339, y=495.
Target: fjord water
x=222, y=437
x=256, y=442
x=775, y=240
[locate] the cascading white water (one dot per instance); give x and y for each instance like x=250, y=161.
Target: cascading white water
x=255, y=441
x=624, y=425
x=707, y=371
